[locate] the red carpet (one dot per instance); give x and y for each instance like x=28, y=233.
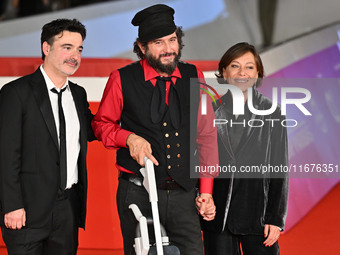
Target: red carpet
x=315, y=234
x=318, y=232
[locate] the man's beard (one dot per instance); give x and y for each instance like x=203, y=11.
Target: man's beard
x=159, y=66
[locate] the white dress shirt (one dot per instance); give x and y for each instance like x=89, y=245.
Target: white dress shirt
x=72, y=126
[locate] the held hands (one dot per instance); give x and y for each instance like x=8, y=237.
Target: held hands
x=15, y=219
x=272, y=233
x=206, y=206
x=140, y=148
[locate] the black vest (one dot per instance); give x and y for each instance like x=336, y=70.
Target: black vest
x=170, y=146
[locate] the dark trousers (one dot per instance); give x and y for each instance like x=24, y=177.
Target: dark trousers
x=177, y=213
x=226, y=243
x=58, y=237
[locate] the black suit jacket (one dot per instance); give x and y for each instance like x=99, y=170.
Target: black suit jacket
x=245, y=205
x=29, y=154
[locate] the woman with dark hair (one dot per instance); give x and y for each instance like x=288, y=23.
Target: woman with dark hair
x=250, y=207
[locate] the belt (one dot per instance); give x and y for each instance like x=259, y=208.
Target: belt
x=169, y=185
x=138, y=180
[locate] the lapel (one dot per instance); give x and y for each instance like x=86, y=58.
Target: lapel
x=41, y=95
x=249, y=130
x=80, y=111
x=222, y=130
x=223, y=133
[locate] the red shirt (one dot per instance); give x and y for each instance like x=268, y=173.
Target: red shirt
x=106, y=123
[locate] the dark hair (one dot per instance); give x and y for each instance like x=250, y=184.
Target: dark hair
x=237, y=51
x=137, y=50
x=55, y=27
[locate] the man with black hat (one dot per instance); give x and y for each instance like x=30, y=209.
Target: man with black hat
x=145, y=112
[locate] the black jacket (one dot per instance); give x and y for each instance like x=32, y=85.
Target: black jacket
x=29, y=154
x=246, y=202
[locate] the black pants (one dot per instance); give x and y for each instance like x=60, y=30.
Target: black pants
x=226, y=243
x=58, y=237
x=177, y=213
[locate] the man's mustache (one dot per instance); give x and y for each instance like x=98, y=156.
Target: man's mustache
x=168, y=54
x=72, y=61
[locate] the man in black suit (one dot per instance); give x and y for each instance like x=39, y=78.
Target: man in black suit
x=44, y=129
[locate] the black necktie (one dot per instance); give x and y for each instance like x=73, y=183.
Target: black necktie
x=158, y=102
x=62, y=138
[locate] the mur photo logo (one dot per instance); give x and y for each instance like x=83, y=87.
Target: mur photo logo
x=289, y=96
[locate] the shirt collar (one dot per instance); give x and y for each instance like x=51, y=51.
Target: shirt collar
x=50, y=85
x=150, y=73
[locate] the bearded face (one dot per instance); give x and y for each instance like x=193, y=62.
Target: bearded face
x=163, y=54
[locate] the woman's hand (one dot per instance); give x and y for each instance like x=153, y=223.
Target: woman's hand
x=206, y=206
x=272, y=234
